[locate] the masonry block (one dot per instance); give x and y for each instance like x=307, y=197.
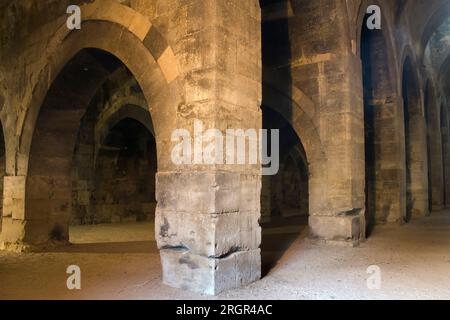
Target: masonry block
x=211, y=276
x=344, y=230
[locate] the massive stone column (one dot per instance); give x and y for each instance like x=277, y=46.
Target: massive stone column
x=417, y=202
x=342, y=133
x=207, y=215
x=329, y=72
x=435, y=156
x=446, y=154
x=319, y=73
x=416, y=160
x=383, y=121
x=387, y=178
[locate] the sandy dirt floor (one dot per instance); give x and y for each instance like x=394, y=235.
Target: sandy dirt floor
x=121, y=262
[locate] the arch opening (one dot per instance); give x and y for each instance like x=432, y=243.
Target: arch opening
x=71, y=178
x=285, y=202
x=285, y=196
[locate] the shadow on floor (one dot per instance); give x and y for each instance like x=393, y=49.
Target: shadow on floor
x=277, y=238
x=148, y=247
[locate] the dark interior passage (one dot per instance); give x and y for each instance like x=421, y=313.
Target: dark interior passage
x=285, y=196
x=72, y=177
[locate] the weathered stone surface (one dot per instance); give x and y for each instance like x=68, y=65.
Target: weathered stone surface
x=335, y=230
x=212, y=276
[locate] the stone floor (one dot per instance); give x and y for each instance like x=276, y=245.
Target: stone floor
x=121, y=262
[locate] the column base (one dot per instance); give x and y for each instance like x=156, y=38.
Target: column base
x=436, y=207
x=27, y=236
x=16, y=247
x=417, y=213
x=336, y=230
x=210, y=276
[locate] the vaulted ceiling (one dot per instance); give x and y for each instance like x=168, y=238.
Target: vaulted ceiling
x=435, y=41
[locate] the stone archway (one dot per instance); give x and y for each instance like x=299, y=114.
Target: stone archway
x=157, y=88
x=114, y=161
x=300, y=121
x=124, y=175
x=49, y=184
x=123, y=111
x=285, y=195
x=292, y=184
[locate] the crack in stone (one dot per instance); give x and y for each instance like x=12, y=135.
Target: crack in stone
x=230, y=252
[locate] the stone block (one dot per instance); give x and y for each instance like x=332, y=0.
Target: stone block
x=211, y=276
x=208, y=235
x=336, y=229
x=13, y=231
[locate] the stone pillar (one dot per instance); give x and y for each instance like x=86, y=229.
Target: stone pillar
x=446, y=155
x=337, y=195
x=417, y=201
x=436, y=168
x=207, y=215
x=388, y=181
x=320, y=66
x=342, y=132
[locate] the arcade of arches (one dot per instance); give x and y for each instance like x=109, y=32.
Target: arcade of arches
x=87, y=118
